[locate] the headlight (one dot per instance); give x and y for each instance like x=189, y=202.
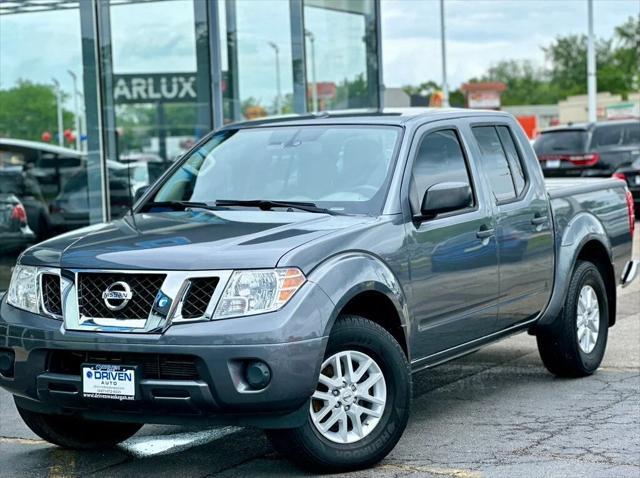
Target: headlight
x=23, y=289
x=258, y=291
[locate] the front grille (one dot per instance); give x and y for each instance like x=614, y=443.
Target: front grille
x=144, y=288
x=51, y=298
x=151, y=366
x=198, y=297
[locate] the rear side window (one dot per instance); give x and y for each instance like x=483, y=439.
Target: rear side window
x=616, y=135
x=439, y=159
x=561, y=141
x=494, y=161
x=515, y=162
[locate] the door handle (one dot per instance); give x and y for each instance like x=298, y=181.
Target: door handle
x=538, y=220
x=485, y=232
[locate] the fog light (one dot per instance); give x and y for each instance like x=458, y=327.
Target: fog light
x=7, y=359
x=258, y=374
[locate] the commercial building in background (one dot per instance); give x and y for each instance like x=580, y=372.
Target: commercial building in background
x=574, y=108
x=104, y=95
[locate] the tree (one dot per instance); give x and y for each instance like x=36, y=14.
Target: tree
x=29, y=109
x=526, y=84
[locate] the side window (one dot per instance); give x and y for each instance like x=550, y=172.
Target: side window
x=495, y=163
x=439, y=159
x=515, y=162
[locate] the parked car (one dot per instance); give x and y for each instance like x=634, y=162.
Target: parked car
x=292, y=274
x=36, y=173
x=631, y=175
x=588, y=150
x=70, y=209
x=14, y=228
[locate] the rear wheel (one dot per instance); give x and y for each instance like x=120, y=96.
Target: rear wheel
x=361, y=404
x=77, y=433
x=574, y=345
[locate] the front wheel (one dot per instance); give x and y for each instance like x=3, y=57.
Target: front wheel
x=77, y=433
x=574, y=345
x=361, y=404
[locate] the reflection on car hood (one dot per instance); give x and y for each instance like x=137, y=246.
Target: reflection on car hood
x=188, y=240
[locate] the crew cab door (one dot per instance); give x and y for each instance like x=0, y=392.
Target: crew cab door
x=453, y=257
x=523, y=232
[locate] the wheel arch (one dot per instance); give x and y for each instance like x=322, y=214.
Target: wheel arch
x=360, y=283
x=584, y=238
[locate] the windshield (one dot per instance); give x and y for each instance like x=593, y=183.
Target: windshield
x=340, y=168
x=573, y=141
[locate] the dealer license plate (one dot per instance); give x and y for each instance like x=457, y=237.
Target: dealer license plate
x=112, y=382
x=638, y=180
x=553, y=163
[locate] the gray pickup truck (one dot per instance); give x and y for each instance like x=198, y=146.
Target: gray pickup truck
x=292, y=274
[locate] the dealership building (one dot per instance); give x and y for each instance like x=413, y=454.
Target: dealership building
x=96, y=88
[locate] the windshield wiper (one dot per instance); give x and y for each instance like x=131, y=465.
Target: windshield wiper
x=180, y=204
x=266, y=205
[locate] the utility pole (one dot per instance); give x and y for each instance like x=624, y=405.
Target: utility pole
x=56, y=83
x=76, y=111
x=445, y=84
x=314, y=90
x=592, y=88
x=278, y=89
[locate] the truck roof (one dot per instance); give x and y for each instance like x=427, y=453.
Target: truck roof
x=386, y=116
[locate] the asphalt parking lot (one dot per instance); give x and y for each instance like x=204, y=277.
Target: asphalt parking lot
x=496, y=413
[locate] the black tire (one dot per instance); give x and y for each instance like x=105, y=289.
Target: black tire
x=308, y=448
x=558, y=342
x=77, y=433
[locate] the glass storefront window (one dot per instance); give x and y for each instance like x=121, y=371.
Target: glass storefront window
x=156, y=91
x=342, y=63
x=256, y=59
x=42, y=126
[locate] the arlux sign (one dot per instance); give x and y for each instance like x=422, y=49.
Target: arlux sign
x=155, y=87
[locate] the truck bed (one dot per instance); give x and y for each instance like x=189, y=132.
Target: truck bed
x=564, y=187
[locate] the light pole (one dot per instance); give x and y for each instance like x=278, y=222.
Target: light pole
x=278, y=90
x=59, y=108
x=445, y=84
x=75, y=107
x=592, y=87
x=314, y=91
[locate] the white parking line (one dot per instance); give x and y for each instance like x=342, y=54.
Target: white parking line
x=146, y=446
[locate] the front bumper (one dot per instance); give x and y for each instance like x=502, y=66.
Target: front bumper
x=290, y=341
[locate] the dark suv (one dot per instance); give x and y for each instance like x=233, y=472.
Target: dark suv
x=592, y=149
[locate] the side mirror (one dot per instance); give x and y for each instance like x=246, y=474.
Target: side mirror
x=140, y=192
x=445, y=197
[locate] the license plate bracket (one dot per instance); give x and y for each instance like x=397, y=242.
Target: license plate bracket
x=110, y=382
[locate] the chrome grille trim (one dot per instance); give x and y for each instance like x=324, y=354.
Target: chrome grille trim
x=41, y=292
x=174, y=287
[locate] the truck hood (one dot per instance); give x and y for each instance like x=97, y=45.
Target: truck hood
x=187, y=240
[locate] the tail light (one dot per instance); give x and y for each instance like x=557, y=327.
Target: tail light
x=619, y=176
x=631, y=212
x=19, y=214
x=584, y=159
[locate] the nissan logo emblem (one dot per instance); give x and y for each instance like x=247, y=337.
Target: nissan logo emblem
x=117, y=295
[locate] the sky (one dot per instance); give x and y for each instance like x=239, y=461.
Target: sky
x=480, y=33
x=159, y=36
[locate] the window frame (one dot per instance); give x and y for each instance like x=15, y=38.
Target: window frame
x=519, y=153
x=416, y=141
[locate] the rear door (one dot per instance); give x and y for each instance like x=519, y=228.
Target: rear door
x=523, y=231
x=453, y=257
